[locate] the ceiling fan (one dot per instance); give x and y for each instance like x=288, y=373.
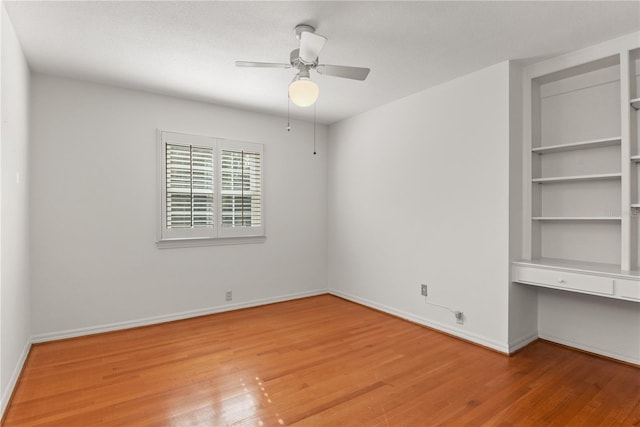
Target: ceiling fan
x=302, y=90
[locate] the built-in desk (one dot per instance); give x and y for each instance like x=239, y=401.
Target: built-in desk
x=603, y=280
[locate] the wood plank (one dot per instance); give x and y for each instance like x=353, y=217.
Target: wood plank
x=313, y=361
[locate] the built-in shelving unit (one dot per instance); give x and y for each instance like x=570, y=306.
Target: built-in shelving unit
x=581, y=198
x=577, y=146
x=633, y=135
x=583, y=155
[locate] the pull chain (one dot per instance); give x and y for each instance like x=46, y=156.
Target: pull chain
x=314, y=129
x=288, y=108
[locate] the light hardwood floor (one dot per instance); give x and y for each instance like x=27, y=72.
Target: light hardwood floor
x=318, y=361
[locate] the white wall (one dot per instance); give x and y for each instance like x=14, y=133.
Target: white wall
x=419, y=193
x=15, y=327
x=599, y=325
x=523, y=300
x=94, y=200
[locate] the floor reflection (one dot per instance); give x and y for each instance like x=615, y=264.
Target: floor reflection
x=245, y=403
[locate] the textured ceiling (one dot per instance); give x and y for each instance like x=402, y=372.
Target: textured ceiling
x=188, y=49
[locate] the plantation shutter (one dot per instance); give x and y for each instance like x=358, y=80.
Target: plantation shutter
x=241, y=188
x=189, y=186
x=211, y=189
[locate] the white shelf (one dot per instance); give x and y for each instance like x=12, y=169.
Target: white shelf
x=636, y=158
x=635, y=103
x=635, y=205
x=601, y=176
x=580, y=145
x=577, y=218
x=595, y=268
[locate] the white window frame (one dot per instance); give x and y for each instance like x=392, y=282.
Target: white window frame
x=218, y=234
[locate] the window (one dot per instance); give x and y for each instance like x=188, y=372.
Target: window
x=211, y=189
x=189, y=186
x=240, y=186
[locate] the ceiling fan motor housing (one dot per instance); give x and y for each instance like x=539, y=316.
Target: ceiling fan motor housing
x=297, y=62
x=305, y=58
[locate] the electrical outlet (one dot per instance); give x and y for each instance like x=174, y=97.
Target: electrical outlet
x=459, y=317
x=423, y=290
x=228, y=295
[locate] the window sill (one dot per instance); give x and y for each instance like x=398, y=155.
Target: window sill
x=189, y=243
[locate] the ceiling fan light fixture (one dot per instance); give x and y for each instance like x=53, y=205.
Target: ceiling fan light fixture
x=303, y=92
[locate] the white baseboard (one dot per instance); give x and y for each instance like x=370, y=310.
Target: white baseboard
x=72, y=333
x=596, y=350
x=522, y=342
x=468, y=336
x=6, y=395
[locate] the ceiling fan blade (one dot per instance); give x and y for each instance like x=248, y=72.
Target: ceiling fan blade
x=310, y=46
x=354, y=73
x=261, y=64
